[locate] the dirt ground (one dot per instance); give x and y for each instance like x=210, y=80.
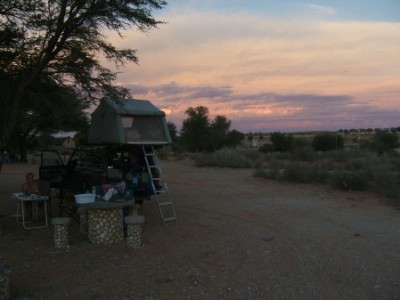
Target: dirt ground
x=237, y=237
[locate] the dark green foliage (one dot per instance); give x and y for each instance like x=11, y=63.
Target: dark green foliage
x=200, y=134
x=195, y=129
x=62, y=42
x=177, y=146
x=172, y=131
x=266, y=148
x=348, y=170
x=253, y=155
x=327, y=141
x=48, y=108
x=304, y=154
x=234, y=138
x=164, y=152
x=383, y=141
x=384, y=172
x=294, y=171
x=282, y=142
x=348, y=180
x=226, y=157
x=219, y=129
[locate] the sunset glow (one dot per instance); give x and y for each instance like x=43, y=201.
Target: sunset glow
x=288, y=67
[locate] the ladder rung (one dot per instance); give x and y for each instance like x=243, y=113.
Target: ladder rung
x=159, y=185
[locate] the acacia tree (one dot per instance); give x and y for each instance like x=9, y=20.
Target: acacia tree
x=172, y=131
x=282, y=142
x=61, y=41
x=219, y=129
x=327, y=141
x=200, y=134
x=47, y=108
x=195, y=129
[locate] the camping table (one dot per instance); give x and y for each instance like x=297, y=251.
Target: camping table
x=21, y=199
x=105, y=220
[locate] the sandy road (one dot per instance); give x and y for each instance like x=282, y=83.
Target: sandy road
x=237, y=237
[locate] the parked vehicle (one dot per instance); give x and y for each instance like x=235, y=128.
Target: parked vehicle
x=92, y=167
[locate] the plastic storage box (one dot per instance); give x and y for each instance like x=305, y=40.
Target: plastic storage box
x=85, y=198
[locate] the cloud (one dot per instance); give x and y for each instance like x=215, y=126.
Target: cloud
x=272, y=111
x=321, y=73
x=325, y=10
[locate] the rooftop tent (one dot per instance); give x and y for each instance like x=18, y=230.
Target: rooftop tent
x=128, y=122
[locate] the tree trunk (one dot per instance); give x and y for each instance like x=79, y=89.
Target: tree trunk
x=15, y=107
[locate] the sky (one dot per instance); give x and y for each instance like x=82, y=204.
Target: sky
x=272, y=65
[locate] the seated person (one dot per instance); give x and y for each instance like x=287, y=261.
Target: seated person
x=30, y=186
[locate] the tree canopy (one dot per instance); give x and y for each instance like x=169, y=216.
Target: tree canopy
x=282, y=142
x=383, y=141
x=327, y=141
x=48, y=108
x=62, y=43
x=199, y=133
x=195, y=129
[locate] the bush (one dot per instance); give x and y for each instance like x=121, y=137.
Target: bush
x=230, y=158
x=348, y=180
x=253, y=155
x=272, y=171
x=388, y=139
x=267, y=148
x=164, y=152
x=304, y=154
x=349, y=170
x=282, y=142
x=384, y=174
x=390, y=187
x=327, y=141
x=295, y=171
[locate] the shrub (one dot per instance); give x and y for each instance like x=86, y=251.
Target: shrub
x=253, y=155
x=383, y=142
x=304, y=154
x=296, y=172
x=305, y=172
x=327, y=141
x=164, y=152
x=348, y=180
x=387, y=139
x=384, y=175
x=266, y=148
x=272, y=171
x=282, y=142
x=390, y=187
x=230, y=158
x=263, y=173
x=350, y=170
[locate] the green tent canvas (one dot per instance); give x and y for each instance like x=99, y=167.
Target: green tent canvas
x=124, y=121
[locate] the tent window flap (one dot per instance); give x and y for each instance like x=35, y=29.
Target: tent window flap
x=144, y=129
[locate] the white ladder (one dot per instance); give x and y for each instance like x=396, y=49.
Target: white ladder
x=161, y=192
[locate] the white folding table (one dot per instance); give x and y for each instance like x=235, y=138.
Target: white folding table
x=35, y=199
